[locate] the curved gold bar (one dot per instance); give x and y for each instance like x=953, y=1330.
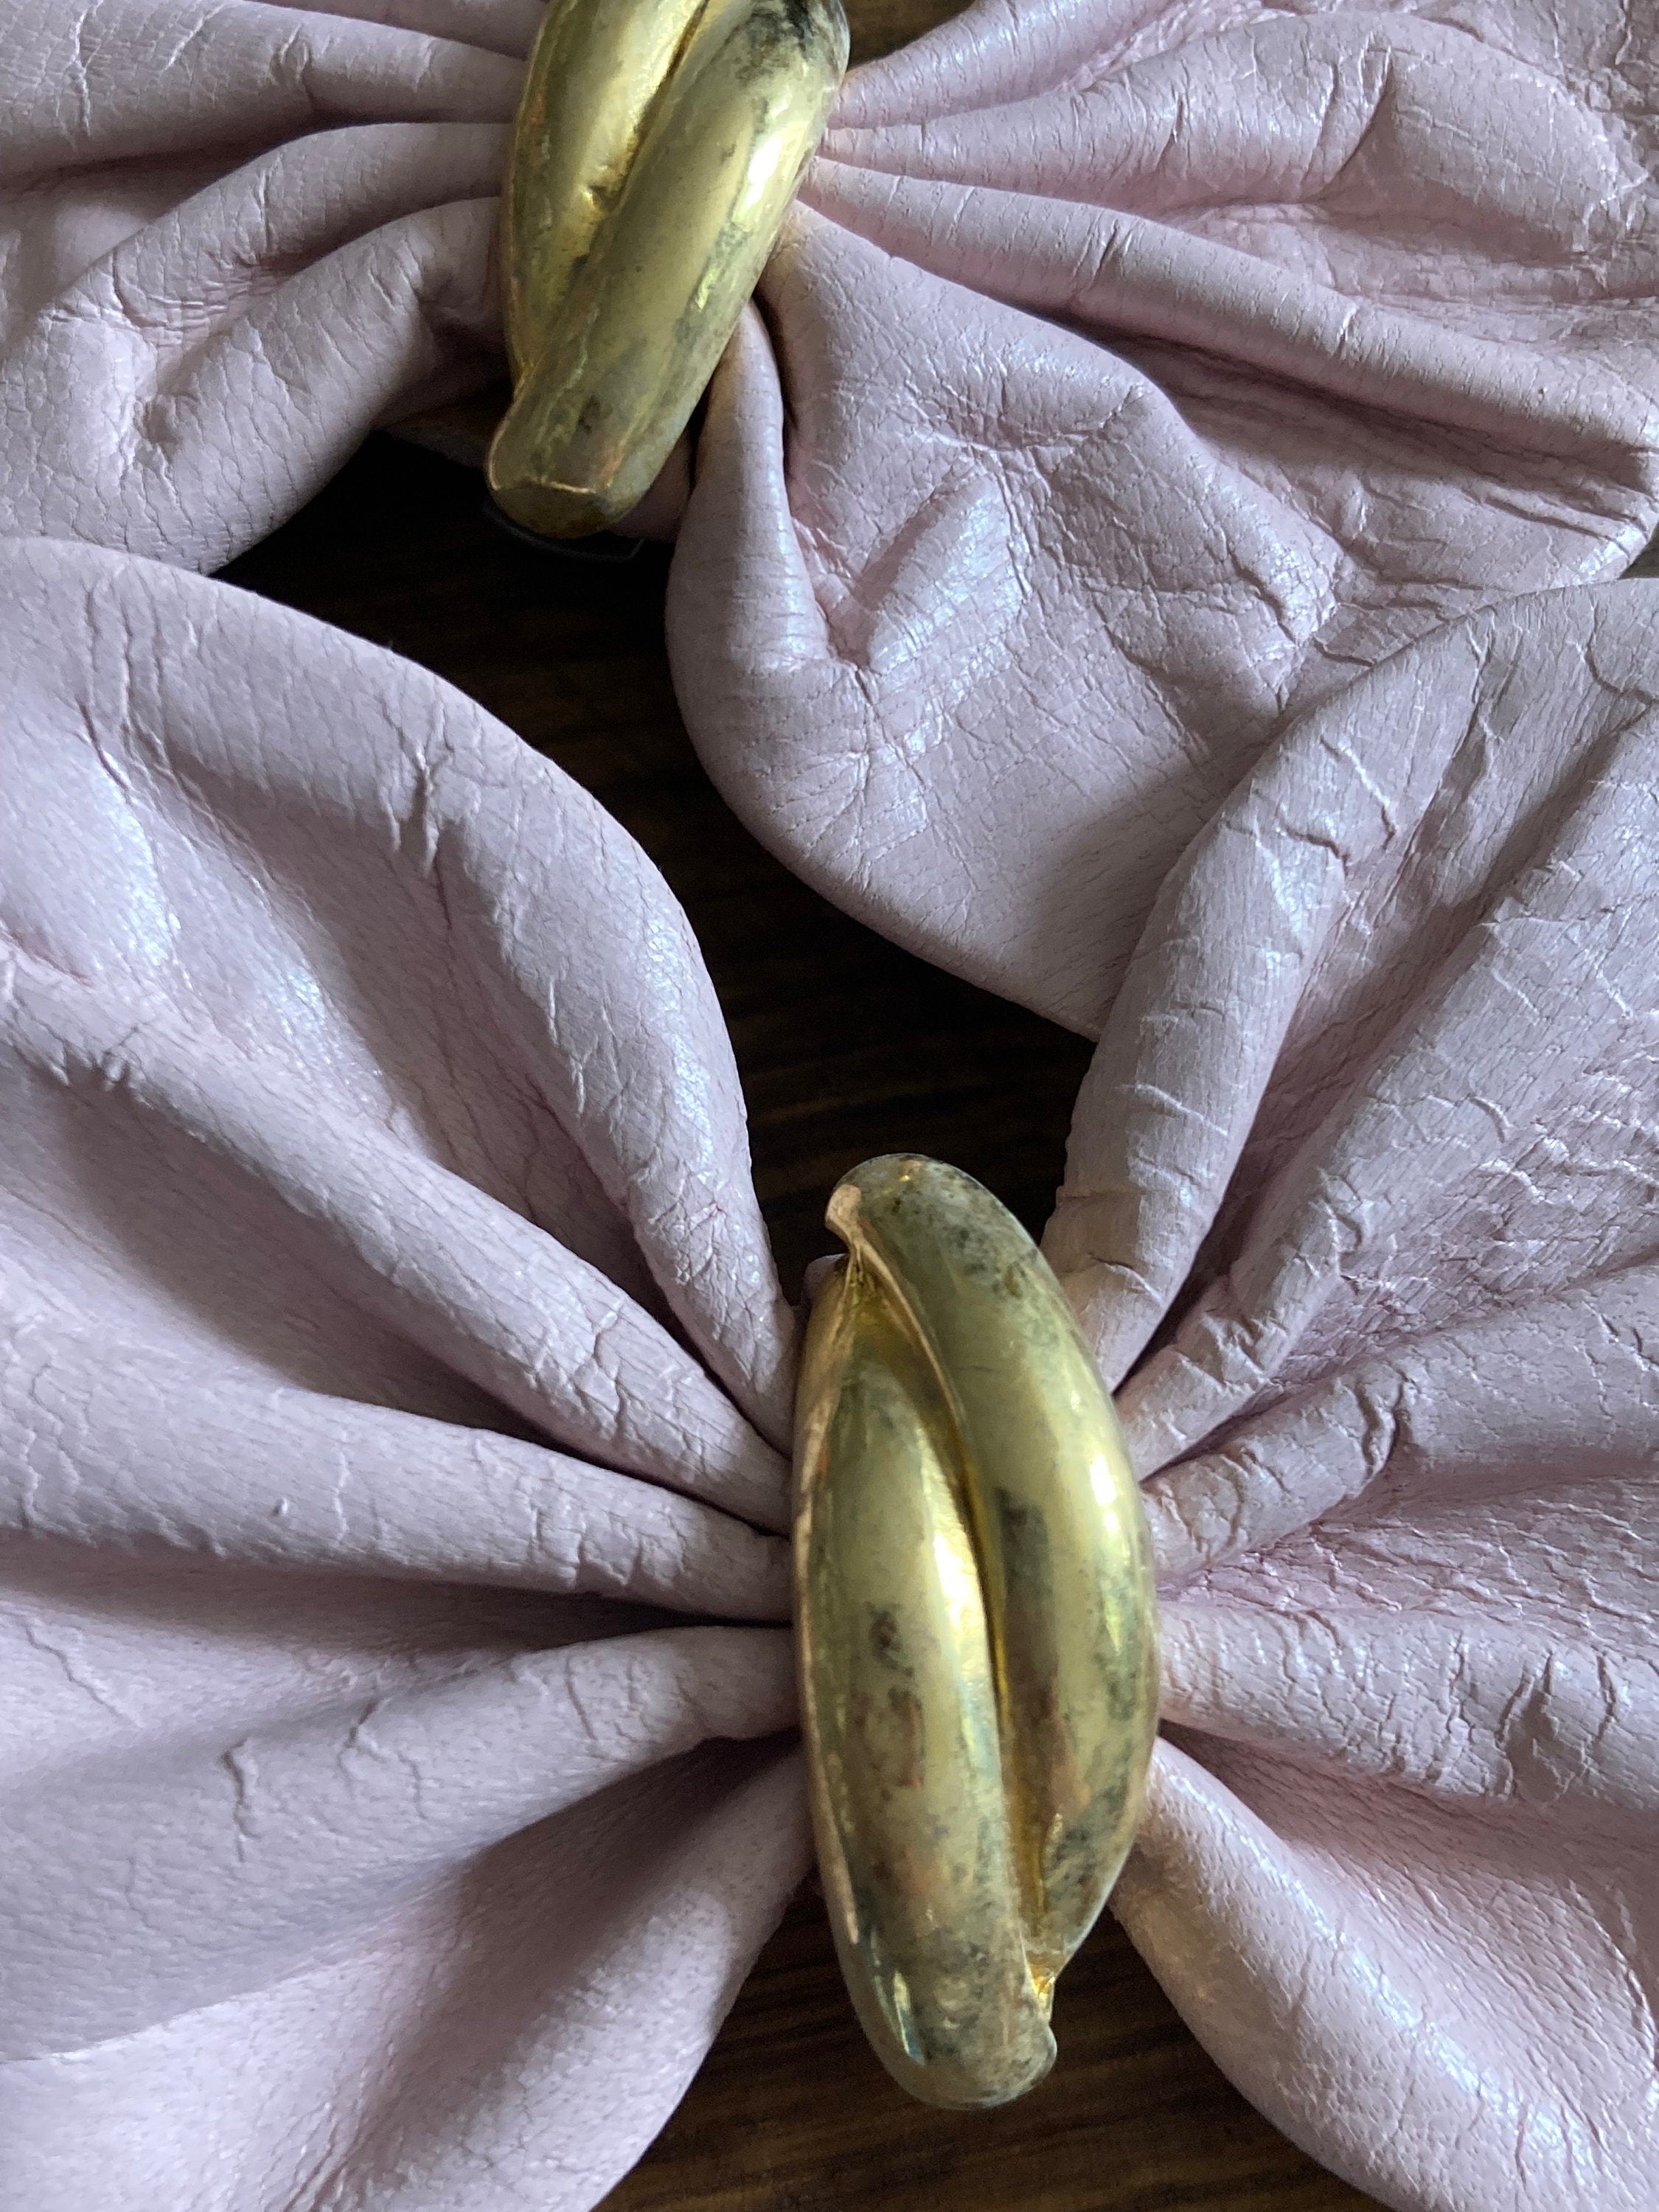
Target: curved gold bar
x=976, y=1623
x=657, y=148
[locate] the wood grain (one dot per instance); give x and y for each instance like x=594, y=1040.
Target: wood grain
x=792, y=2114
x=879, y=26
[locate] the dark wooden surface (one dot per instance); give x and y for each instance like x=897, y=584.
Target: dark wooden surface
x=879, y=26
x=846, y=1047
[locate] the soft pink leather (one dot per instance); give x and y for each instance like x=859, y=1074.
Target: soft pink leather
x=1147, y=370
x=1369, y=1154
x=234, y=235
x=376, y=1216
x=389, y=1341
x=375, y=1220
x=1138, y=373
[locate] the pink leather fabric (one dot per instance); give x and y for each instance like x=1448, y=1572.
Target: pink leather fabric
x=1146, y=372
x=234, y=235
x=1137, y=374
x=385, y=1823
x=391, y=1358
x=1369, y=1155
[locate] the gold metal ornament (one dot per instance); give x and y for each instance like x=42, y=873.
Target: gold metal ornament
x=657, y=148
x=976, y=1628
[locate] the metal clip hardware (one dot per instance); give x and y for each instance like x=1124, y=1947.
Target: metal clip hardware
x=976, y=1626
x=657, y=147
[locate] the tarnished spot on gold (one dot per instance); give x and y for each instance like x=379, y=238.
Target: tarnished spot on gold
x=657, y=148
x=976, y=1623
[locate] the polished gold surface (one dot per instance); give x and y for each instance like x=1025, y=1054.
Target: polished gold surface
x=657, y=148
x=976, y=1623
